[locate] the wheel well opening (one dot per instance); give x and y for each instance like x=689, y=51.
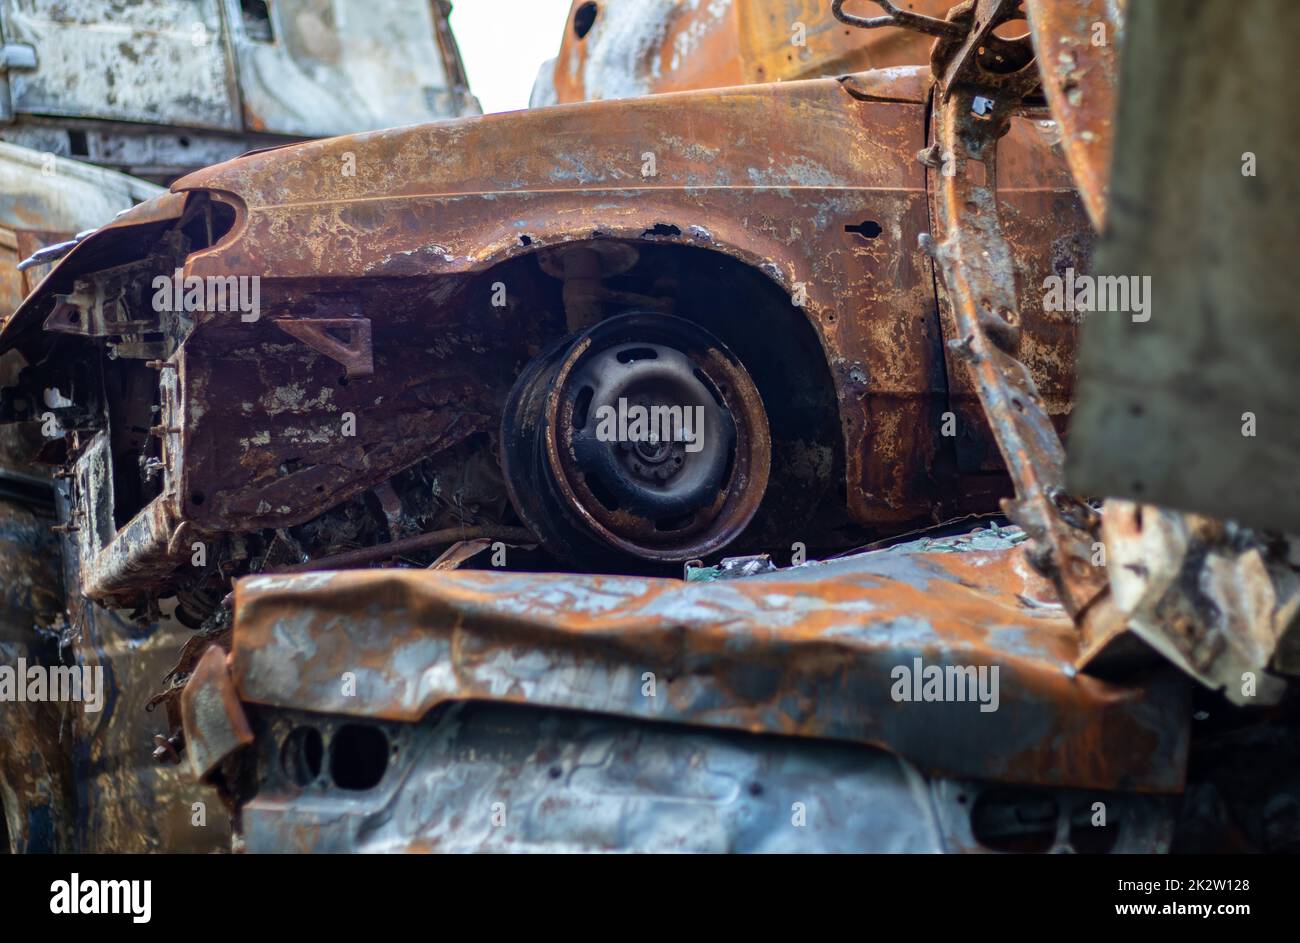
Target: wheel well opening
x=755, y=318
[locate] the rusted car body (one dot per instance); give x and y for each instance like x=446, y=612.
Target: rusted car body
x=830, y=211
x=403, y=385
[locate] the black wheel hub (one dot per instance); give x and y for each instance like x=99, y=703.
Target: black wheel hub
x=642, y=435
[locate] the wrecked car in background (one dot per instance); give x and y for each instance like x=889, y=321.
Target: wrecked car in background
x=343, y=356
x=181, y=85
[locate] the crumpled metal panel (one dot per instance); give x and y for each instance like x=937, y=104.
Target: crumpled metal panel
x=804, y=652
x=502, y=778
x=506, y=778
x=126, y=802
x=1211, y=597
x=211, y=713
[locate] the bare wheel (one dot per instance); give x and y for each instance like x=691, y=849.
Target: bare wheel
x=644, y=435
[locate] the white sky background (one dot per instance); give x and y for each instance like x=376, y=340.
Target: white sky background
x=504, y=43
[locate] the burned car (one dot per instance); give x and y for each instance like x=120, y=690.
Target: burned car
x=363, y=411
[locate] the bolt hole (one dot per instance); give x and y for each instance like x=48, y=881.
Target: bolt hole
x=584, y=19
x=257, y=21
x=301, y=754
x=196, y=497
x=868, y=229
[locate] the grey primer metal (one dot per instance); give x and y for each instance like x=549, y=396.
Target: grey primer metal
x=503, y=778
x=158, y=88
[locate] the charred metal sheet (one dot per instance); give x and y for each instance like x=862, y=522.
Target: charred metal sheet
x=510, y=778
x=212, y=715
x=127, y=802
x=1190, y=401
x=513, y=778
x=85, y=196
x=804, y=652
x=354, y=353
x=633, y=47
x=280, y=450
x=1077, y=43
x=1213, y=598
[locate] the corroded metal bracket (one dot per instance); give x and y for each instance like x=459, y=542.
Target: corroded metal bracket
x=975, y=262
x=214, y=721
x=981, y=79
x=354, y=354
